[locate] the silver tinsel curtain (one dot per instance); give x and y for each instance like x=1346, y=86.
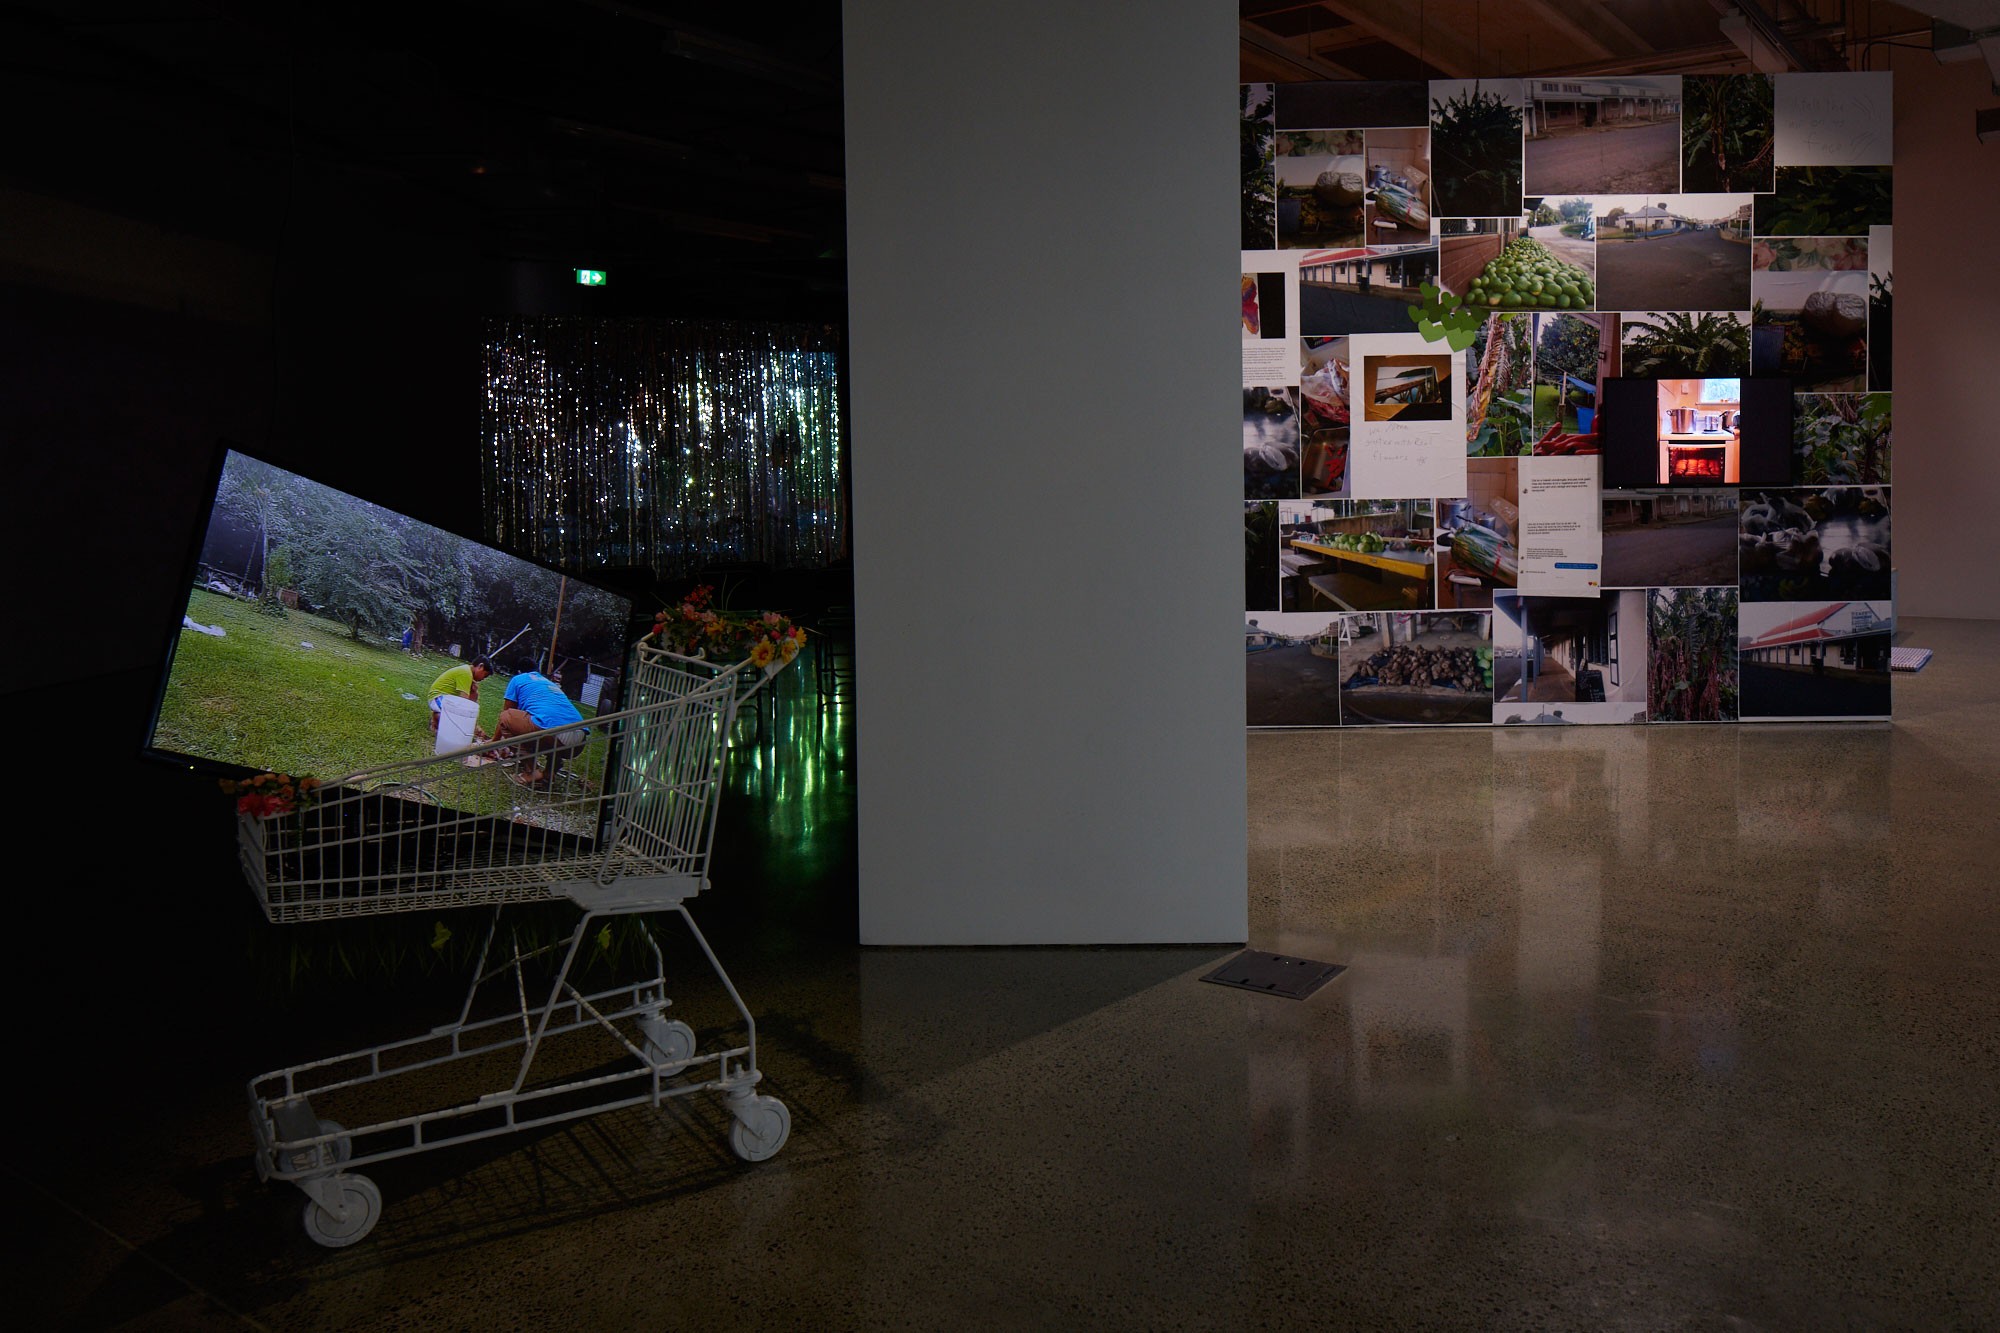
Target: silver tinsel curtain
x=671, y=444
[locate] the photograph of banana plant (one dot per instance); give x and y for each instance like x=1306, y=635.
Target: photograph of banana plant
x=1841, y=439
x=1500, y=390
x=1802, y=544
x=1881, y=311
x=1476, y=147
x=1727, y=134
x=1691, y=655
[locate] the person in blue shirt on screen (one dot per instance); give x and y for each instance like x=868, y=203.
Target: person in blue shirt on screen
x=533, y=702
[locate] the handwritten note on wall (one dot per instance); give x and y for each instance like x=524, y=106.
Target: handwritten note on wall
x=1834, y=120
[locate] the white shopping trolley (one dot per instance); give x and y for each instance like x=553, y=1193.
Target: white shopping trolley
x=461, y=829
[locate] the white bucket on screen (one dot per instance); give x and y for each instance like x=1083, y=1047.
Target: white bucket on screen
x=456, y=718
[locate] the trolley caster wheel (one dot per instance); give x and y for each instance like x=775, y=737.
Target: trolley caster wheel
x=761, y=1127
x=669, y=1043
x=361, y=1201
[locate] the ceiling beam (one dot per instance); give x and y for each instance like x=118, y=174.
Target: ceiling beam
x=1277, y=49
x=1404, y=28
x=1591, y=26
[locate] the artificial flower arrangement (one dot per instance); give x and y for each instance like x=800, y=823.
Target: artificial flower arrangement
x=269, y=794
x=696, y=629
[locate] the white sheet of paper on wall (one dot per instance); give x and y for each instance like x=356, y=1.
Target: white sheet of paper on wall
x=1395, y=453
x=1834, y=120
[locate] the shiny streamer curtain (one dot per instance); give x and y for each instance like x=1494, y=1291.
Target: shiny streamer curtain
x=669, y=444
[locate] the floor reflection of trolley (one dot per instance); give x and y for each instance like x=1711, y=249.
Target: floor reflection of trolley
x=439, y=833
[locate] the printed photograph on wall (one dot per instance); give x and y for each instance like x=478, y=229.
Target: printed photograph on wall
x=1572, y=353
x=1477, y=556
x=1260, y=555
x=1258, y=133
x=1727, y=134
x=1358, y=555
x=1563, y=660
x=1811, y=326
x=1808, y=544
x=1322, y=186
x=1399, y=186
x=1264, y=306
x=1670, y=538
x=1500, y=388
x=1685, y=344
x=1611, y=135
x=1814, y=659
x=1270, y=443
x=1476, y=147
x=1429, y=668
x=1323, y=388
x=1291, y=670
x=1826, y=201
x=1691, y=658
x=1411, y=387
x=1881, y=306
x=1497, y=264
x=1363, y=289
x=1673, y=252
x=1841, y=439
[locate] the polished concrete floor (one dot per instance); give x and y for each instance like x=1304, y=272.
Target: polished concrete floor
x=1644, y=1028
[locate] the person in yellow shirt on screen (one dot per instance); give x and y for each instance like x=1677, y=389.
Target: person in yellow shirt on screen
x=461, y=680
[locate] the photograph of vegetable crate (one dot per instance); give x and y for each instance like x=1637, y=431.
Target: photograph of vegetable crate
x=1810, y=544
x=1476, y=533
x=1358, y=555
x=1291, y=670
x=1569, y=659
x=1815, y=660
x=1430, y=668
x=1399, y=186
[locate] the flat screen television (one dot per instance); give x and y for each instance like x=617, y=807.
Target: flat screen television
x=317, y=623
x=1695, y=431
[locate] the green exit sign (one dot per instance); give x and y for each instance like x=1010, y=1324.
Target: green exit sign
x=590, y=277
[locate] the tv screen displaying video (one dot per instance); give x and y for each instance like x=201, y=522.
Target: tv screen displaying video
x=324, y=636
x=1696, y=432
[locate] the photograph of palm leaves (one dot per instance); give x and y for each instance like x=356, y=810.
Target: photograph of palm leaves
x=1881, y=311
x=1258, y=134
x=1841, y=439
x=1476, y=147
x=1680, y=344
x=1727, y=134
x=1691, y=655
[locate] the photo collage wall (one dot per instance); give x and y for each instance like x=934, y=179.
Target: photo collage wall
x=1567, y=400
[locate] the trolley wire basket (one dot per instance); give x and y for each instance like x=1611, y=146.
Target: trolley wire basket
x=619, y=819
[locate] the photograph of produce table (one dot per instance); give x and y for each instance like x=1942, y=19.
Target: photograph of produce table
x=1359, y=555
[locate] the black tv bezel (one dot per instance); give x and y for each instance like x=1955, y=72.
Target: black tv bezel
x=170, y=627
x=1744, y=474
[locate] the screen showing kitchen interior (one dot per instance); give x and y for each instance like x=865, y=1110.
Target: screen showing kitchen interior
x=1696, y=431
